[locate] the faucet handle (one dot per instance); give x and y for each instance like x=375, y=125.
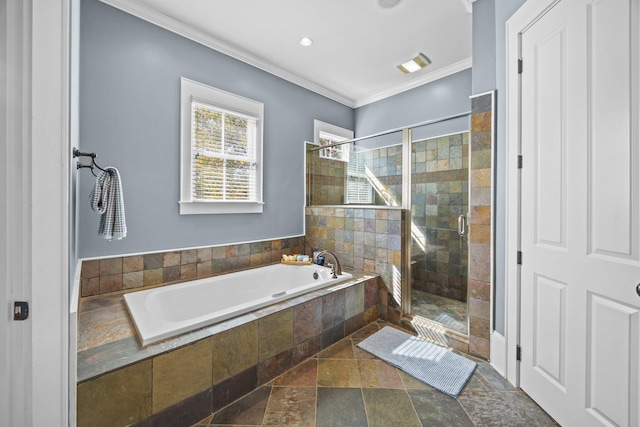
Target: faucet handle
x=333, y=270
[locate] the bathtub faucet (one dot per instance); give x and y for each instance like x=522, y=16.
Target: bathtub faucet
x=335, y=269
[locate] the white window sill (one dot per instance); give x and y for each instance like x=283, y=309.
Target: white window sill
x=203, y=208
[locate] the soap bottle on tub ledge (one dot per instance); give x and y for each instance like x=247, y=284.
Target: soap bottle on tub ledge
x=319, y=259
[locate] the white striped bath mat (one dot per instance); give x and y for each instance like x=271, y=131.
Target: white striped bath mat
x=436, y=366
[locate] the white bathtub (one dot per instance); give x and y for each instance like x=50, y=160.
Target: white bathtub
x=164, y=312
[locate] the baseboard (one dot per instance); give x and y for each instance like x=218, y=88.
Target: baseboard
x=499, y=353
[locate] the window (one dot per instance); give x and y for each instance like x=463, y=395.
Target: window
x=358, y=188
x=332, y=151
x=221, y=151
x=327, y=135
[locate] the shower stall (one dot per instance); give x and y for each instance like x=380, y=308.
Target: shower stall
x=422, y=171
x=439, y=242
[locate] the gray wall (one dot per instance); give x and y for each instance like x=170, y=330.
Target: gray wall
x=129, y=115
x=441, y=98
x=489, y=72
x=484, y=46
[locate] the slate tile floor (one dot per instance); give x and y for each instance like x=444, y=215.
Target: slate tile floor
x=344, y=386
x=447, y=311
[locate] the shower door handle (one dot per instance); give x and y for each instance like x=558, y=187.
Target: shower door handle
x=462, y=226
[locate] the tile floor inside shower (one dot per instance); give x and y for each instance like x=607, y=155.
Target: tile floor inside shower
x=344, y=386
x=446, y=311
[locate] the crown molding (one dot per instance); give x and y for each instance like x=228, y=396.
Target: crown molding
x=171, y=24
x=427, y=78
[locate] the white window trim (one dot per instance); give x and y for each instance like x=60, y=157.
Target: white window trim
x=194, y=91
x=320, y=126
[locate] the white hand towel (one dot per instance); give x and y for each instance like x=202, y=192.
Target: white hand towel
x=106, y=199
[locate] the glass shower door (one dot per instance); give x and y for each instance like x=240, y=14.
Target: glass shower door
x=439, y=242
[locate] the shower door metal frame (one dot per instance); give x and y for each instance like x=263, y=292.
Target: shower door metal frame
x=405, y=303
x=405, y=300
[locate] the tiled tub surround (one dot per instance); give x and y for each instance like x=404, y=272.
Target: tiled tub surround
x=102, y=276
x=182, y=380
x=440, y=194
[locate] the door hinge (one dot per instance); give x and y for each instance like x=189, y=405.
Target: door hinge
x=518, y=353
x=519, y=162
x=520, y=66
x=519, y=258
x=20, y=310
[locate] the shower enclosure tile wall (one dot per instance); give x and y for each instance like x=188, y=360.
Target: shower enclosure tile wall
x=386, y=164
x=325, y=180
x=439, y=189
x=366, y=239
x=379, y=168
x=480, y=223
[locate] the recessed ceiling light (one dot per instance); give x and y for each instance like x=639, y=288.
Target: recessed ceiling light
x=305, y=41
x=414, y=64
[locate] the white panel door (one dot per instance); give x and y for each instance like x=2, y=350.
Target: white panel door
x=580, y=222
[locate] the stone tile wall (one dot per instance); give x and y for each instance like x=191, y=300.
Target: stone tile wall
x=386, y=164
x=325, y=178
x=366, y=239
x=102, y=276
x=480, y=236
x=440, y=189
x=182, y=386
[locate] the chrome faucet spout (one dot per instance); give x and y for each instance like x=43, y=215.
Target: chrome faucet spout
x=338, y=267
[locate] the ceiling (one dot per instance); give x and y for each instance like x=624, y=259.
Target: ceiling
x=356, y=43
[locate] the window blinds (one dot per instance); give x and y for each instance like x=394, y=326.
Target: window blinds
x=359, y=189
x=223, y=155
